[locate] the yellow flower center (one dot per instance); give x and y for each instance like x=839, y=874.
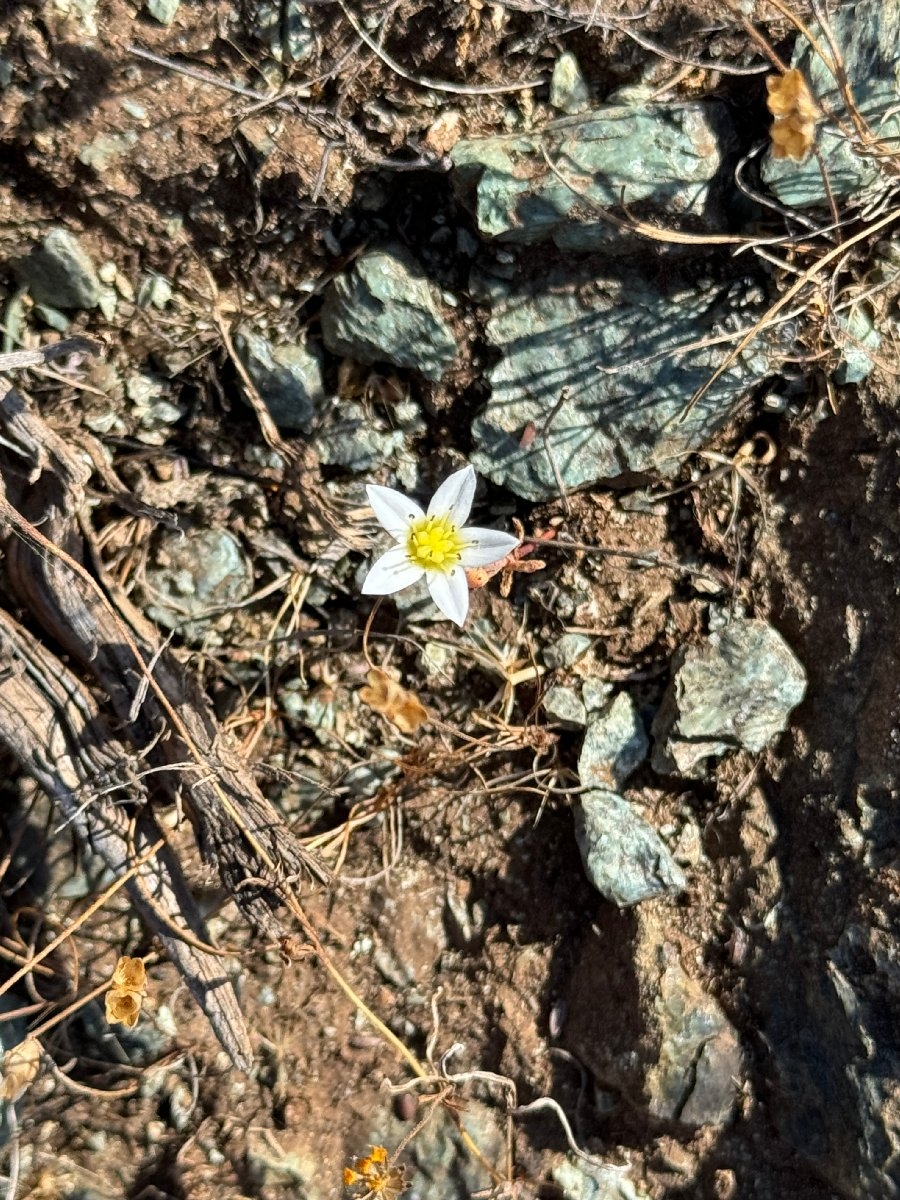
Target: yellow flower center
x=434, y=543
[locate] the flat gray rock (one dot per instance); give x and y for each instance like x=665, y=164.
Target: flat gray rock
x=695, y=1078
x=569, y=92
x=567, y=650
x=60, y=272
x=385, y=310
x=614, y=746
x=735, y=690
x=565, y=706
x=163, y=11
x=284, y=28
x=625, y=858
x=601, y=349
x=671, y=1050
x=287, y=376
x=193, y=578
x=586, y=1181
x=351, y=438
x=662, y=157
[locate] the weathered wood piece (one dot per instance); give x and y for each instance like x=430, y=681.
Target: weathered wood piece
x=152, y=709
x=54, y=728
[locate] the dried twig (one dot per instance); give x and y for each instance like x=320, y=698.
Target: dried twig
x=52, y=725
x=237, y=827
x=18, y=359
x=808, y=276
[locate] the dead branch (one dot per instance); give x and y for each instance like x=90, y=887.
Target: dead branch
x=55, y=730
x=157, y=707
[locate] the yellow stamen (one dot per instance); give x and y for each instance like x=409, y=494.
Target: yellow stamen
x=434, y=543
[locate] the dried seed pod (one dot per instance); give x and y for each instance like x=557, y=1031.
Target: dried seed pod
x=19, y=1068
x=791, y=104
x=126, y=993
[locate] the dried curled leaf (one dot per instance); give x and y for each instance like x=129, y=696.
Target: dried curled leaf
x=126, y=993
x=403, y=708
x=20, y=1066
x=791, y=104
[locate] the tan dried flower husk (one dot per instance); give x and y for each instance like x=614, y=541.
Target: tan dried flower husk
x=790, y=102
x=403, y=708
x=19, y=1068
x=130, y=975
x=127, y=991
x=123, y=1008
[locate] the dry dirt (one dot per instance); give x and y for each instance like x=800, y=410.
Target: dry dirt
x=462, y=912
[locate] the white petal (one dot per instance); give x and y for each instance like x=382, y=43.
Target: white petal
x=485, y=546
x=391, y=573
x=454, y=497
x=394, y=510
x=450, y=592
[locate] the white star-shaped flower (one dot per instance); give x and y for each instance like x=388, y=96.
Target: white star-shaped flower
x=435, y=544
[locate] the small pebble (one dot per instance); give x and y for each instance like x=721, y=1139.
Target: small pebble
x=405, y=1106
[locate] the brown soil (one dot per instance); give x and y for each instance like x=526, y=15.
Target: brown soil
x=461, y=913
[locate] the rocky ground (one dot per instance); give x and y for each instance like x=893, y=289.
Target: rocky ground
x=596, y=897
